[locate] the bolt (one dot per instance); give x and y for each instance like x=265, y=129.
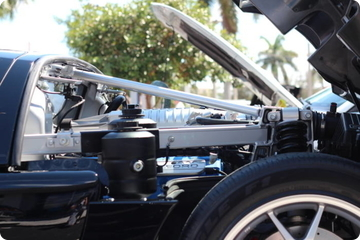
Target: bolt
x=51, y=142
x=272, y=116
x=77, y=141
x=171, y=139
x=138, y=166
x=308, y=115
x=63, y=141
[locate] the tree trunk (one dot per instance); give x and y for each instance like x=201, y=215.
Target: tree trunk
x=309, y=76
x=227, y=90
x=214, y=90
x=148, y=101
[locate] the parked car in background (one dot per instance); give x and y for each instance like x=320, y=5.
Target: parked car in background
x=322, y=100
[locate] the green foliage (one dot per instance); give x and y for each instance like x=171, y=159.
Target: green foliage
x=128, y=41
x=276, y=57
x=8, y=8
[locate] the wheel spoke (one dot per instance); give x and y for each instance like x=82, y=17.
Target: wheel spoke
x=282, y=230
x=315, y=223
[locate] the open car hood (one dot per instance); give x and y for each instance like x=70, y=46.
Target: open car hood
x=258, y=80
x=331, y=26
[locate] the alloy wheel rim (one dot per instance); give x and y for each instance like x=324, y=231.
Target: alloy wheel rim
x=319, y=203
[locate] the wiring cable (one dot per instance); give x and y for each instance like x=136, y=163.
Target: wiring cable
x=69, y=110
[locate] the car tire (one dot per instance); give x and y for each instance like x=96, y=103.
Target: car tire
x=288, y=196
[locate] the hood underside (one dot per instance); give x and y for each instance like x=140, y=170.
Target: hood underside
x=332, y=27
x=259, y=81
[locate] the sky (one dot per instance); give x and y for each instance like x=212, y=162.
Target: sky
x=250, y=33
x=34, y=28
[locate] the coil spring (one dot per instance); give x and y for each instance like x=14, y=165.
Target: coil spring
x=290, y=137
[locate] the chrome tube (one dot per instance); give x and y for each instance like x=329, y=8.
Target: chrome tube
x=165, y=92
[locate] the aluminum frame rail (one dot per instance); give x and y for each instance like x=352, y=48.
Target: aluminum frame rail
x=175, y=138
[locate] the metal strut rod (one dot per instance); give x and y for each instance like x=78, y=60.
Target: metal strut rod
x=165, y=92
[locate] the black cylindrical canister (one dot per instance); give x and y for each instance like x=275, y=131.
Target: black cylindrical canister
x=129, y=159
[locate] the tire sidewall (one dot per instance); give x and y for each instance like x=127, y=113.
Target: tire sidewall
x=266, y=184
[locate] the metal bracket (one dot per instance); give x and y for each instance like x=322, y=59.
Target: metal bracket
x=62, y=142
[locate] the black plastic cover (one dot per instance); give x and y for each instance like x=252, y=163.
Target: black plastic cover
x=345, y=141
x=331, y=26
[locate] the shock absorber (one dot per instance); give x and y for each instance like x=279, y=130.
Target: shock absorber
x=291, y=137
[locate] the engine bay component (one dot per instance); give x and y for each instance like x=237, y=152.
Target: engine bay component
x=129, y=159
x=291, y=137
x=128, y=156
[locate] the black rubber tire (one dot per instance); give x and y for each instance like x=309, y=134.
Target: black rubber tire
x=267, y=180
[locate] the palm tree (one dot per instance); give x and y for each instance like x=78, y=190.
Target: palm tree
x=228, y=14
x=276, y=57
x=8, y=8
